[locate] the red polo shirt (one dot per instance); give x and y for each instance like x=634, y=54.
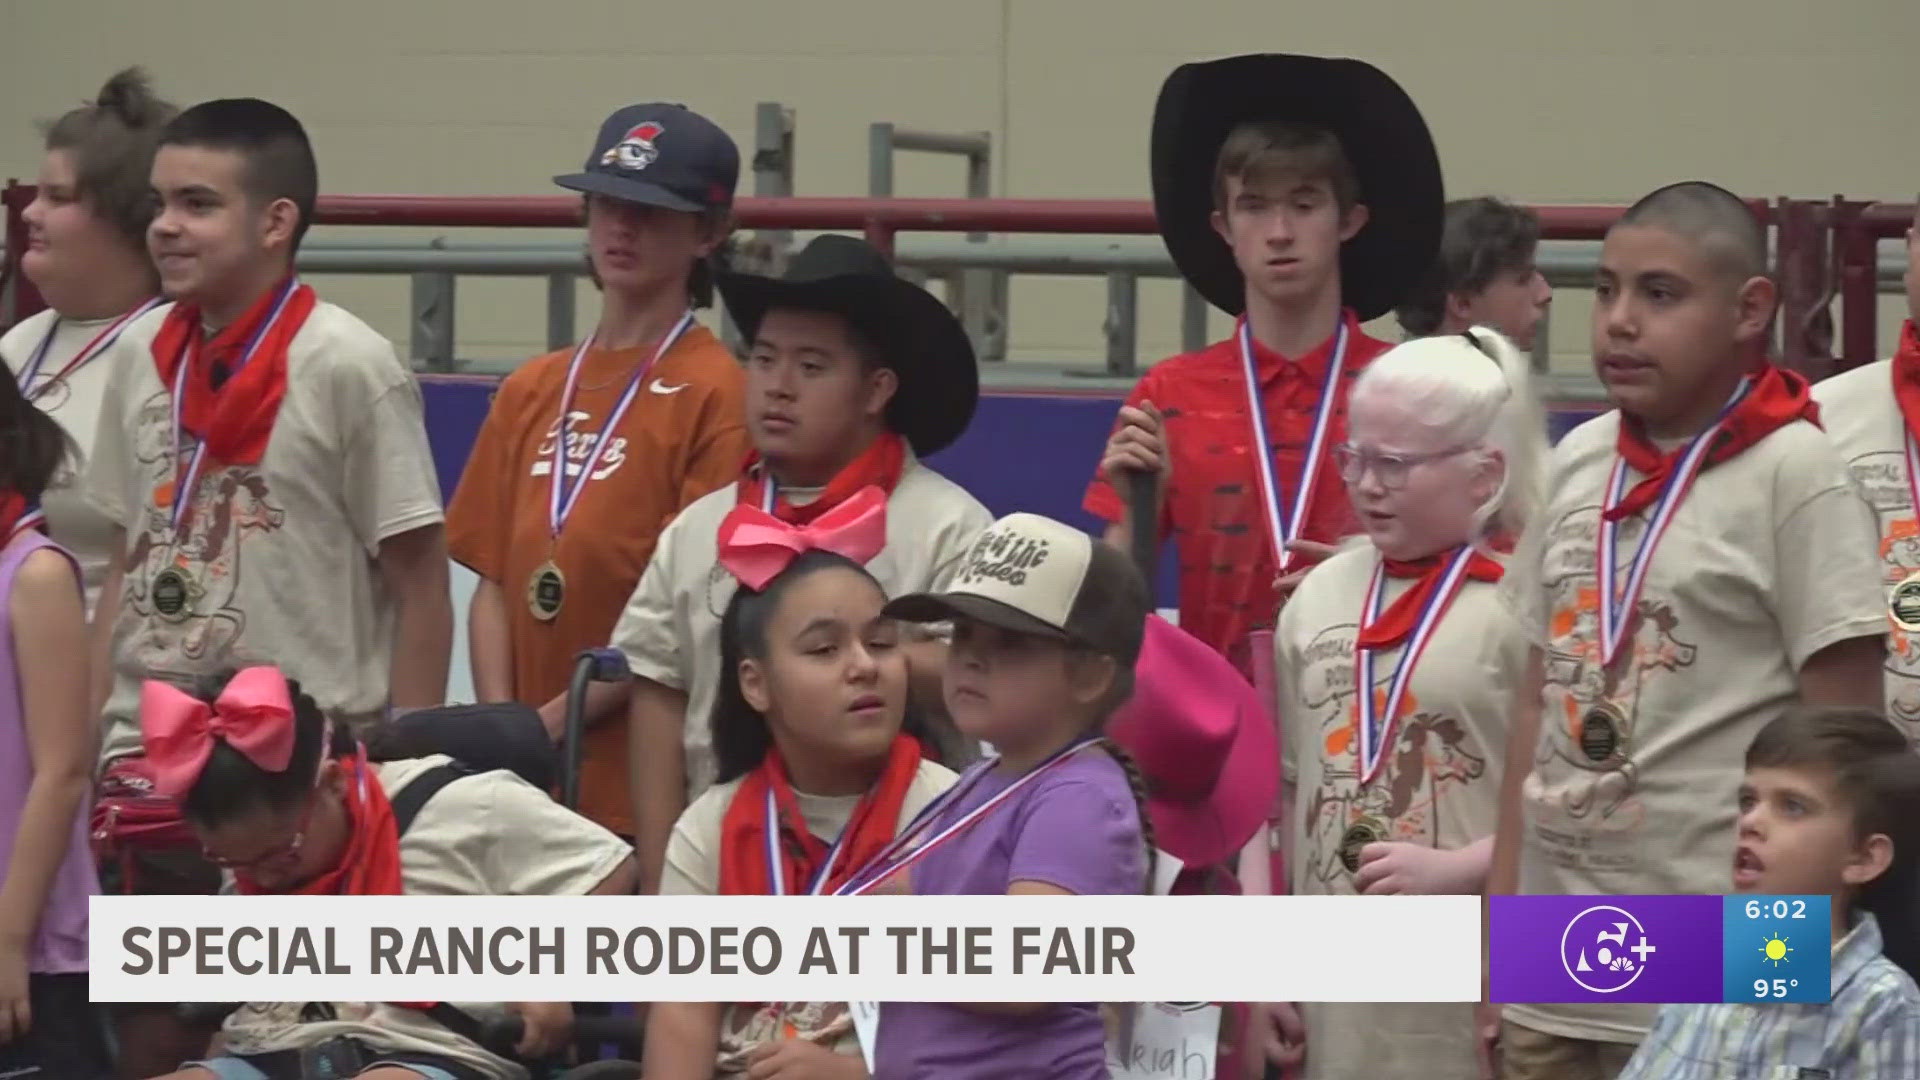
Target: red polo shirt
x=1213, y=508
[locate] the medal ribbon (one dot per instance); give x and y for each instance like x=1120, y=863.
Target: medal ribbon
x=1376, y=727
x=904, y=851
x=1282, y=527
x=561, y=499
x=776, y=872
x=1616, y=606
x=183, y=491
x=100, y=343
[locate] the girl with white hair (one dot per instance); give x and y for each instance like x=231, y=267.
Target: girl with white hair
x=1396, y=790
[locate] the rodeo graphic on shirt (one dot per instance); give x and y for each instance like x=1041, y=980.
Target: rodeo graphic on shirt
x=1882, y=478
x=1432, y=761
x=1585, y=777
x=191, y=581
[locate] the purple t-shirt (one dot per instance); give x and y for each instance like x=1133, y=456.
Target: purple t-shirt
x=1076, y=827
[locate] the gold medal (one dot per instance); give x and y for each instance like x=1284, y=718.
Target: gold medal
x=1357, y=836
x=546, y=591
x=1903, y=603
x=172, y=594
x=1603, y=734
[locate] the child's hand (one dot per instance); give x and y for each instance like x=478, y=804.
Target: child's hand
x=547, y=1027
x=799, y=1059
x=1389, y=868
x=16, y=1011
x=1486, y=1039
x=1282, y=1035
x=1305, y=555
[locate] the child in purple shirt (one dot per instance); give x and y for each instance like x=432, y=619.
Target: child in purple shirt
x=47, y=1027
x=1047, y=626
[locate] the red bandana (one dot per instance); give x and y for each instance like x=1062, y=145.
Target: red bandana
x=235, y=420
x=1395, y=623
x=1906, y=376
x=14, y=511
x=369, y=864
x=879, y=465
x=743, y=841
x=1778, y=398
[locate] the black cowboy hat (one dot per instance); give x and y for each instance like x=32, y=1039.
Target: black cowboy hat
x=1379, y=128
x=917, y=335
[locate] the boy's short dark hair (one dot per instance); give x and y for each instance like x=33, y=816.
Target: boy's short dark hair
x=1716, y=219
x=112, y=140
x=1481, y=239
x=279, y=157
x=1260, y=151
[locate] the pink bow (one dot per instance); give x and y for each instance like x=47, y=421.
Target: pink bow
x=254, y=715
x=755, y=546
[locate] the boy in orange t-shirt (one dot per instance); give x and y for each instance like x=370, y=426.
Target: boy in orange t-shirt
x=649, y=412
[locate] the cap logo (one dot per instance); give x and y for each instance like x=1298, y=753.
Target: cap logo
x=637, y=150
x=1003, y=556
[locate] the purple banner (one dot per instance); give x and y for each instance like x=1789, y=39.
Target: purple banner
x=1565, y=949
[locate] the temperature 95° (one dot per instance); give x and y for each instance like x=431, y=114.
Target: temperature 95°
x=1777, y=909
x=1774, y=988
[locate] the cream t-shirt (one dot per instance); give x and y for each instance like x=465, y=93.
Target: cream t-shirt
x=279, y=557
x=1439, y=786
x=75, y=402
x=1635, y=778
x=692, y=868
x=492, y=834
x=1861, y=417
x=670, y=630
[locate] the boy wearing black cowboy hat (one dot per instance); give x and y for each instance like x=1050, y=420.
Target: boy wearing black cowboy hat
x=853, y=375
x=643, y=415
x=1303, y=195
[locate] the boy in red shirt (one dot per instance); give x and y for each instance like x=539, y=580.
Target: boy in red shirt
x=1302, y=194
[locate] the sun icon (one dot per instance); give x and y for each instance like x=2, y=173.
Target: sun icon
x=1775, y=949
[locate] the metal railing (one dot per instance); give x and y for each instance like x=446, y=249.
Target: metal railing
x=1821, y=252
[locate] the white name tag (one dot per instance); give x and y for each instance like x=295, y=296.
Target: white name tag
x=1170, y=1042
x=866, y=1028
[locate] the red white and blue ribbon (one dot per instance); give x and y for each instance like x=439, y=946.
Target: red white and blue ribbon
x=1619, y=599
x=183, y=492
x=101, y=342
x=562, y=498
x=1282, y=527
x=34, y=518
x=913, y=843
x=776, y=867
x=1377, y=722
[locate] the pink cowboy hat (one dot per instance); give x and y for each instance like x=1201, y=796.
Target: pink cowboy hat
x=1203, y=742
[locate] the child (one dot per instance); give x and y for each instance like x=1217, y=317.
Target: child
x=808, y=741
x=1485, y=275
x=1396, y=791
x=854, y=377
x=1303, y=195
x=47, y=1027
x=1047, y=625
x=287, y=801
x=1876, y=433
x=648, y=411
x=263, y=450
x=1830, y=806
x=1702, y=563
x=87, y=255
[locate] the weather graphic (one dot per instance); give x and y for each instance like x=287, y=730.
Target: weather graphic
x=1776, y=949
x=1761, y=963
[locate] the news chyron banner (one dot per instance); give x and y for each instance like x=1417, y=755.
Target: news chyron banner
x=785, y=948
x=960, y=948
x=1658, y=949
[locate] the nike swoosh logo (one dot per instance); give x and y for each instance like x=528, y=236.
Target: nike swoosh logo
x=659, y=387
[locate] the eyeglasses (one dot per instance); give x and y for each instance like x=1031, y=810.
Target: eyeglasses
x=1390, y=469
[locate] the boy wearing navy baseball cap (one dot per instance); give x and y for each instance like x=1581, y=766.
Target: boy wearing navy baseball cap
x=589, y=451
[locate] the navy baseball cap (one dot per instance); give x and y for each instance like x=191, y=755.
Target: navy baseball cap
x=660, y=155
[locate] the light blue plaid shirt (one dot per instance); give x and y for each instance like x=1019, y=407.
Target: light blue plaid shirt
x=1871, y=1031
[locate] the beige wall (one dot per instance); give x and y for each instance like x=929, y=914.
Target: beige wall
x=1549, y=102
